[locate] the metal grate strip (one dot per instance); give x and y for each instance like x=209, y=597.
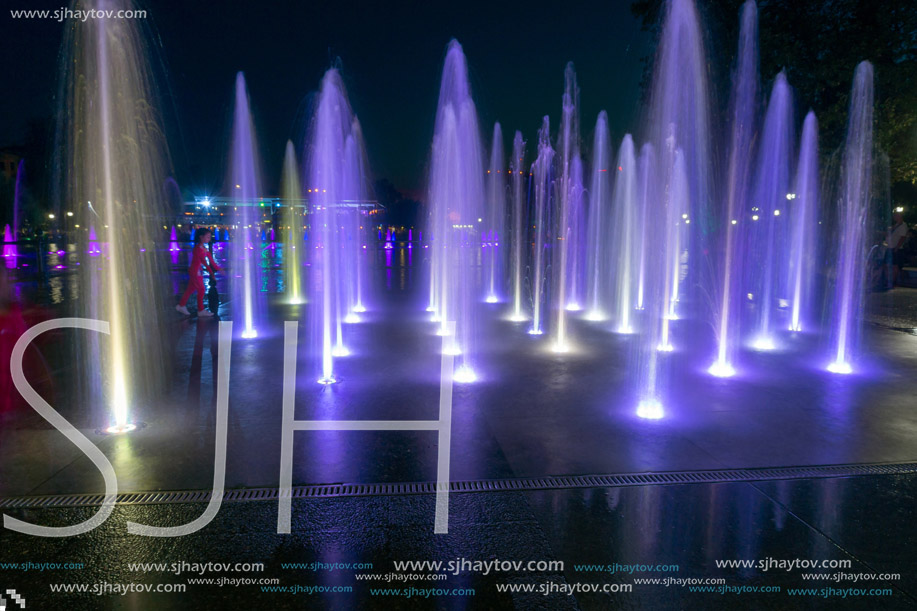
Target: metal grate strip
x=496, y=485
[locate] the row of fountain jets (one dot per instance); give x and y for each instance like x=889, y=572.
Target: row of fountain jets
x=642, y=238
x=660, y=232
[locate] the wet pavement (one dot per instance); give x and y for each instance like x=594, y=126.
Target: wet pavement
x=532, y=414
x=674, y=532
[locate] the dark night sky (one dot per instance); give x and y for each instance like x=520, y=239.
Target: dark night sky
x=391, y=55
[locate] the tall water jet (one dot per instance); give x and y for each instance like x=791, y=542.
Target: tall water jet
x=245, y=189
x=853, y=213
x=496, y=212
x=355, y=194
x=743, y=106
x=803, y=204
x=624, y=241
x=336, y=173
x=520, y=223
x=676, y=203
x=456, y=194
x=541, y=171
x=599, y=208
x=679, y=119
x=292, y=193
x=665, y=206
x=767, y=239
x=569, y=188
x=113, y=161
x=647, y=197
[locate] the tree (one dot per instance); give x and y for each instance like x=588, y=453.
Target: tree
x=819, y=44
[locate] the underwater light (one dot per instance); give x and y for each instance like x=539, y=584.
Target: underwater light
x=651, y=409
x=464, y=375
x=573, y=307
x=328, y=380
x=351, y=318
x=118, y=429
x=721, y=369
x=491, y=299
x=535, y=331
x=665, y=348
x=763, y=343
x=340, y=350
x=840, y=367
x=249, y=334
x=595, y=316
x=359, y=308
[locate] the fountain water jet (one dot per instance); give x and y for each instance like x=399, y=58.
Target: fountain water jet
x=742, y=130
x=520, y=223
x=803, y=203
x=496, y=204
x=456, y=195
x=768, y=234
x=853, y=212
x=336, y=171
x=292, y=193
x=569, y=195
x=625, y=233
x=599, y=204
x=113, y=152
x=245, y=188
x=541, y=171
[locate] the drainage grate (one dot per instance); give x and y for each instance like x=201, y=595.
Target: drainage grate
x=496, y=485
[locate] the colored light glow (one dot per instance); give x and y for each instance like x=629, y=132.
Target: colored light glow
x=560, y=348
x=651, y=409
x=518, y=318
x=721, y=369
x=595, y=316
x=625, y=329
x=796, y=327
x=431, y=308
x=453, y=350
x=491, y=299
x=295, y=301
x=351, y=318
x=535, y=331
x=249, y=334
x=442, y=332
x=340, y=350
x=573, y=307
x=764, y=344
x=840, y=367
x=327, y=380
x=665, y=348
x=118, y=429
x=464, y=375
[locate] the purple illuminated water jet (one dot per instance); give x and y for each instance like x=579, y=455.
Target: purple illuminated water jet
x=853, y=213
x=456, y=196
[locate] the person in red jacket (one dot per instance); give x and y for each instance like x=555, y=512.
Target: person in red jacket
x=200, y=258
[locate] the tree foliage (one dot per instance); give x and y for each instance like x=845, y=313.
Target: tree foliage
x=818, y=44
